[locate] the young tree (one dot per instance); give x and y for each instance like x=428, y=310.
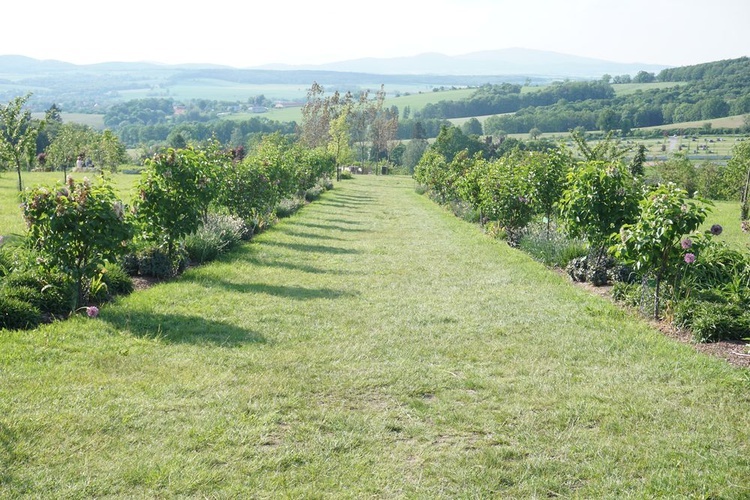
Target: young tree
x=72, y=140
x=654, y=244
x=598, y=199
x=340, y=138
x=110, y=152
x=18, y=134
x=315, y=117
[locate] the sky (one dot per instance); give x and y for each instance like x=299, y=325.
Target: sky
x=249, y=34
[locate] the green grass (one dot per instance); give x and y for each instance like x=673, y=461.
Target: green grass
x=372, y=345
x=727, y=214
x=11, y=221
x=95, y=121
x=736, y=121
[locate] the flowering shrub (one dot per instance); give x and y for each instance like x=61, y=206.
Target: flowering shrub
x=76, y=228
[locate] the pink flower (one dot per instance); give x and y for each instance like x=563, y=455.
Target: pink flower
x=689, y=258
x=92, y=311
x=686, y=243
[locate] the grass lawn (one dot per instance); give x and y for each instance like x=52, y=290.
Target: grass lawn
x=373, y=345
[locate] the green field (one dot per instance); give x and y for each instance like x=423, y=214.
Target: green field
x=372, y=346
x=415, y=101
x=95, y=121
x=11, y=221
x=220, y=90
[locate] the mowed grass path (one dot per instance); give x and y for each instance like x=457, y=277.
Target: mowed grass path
x=371, y=346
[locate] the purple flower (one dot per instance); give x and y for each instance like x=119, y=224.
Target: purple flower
x=716, y=229
x=689, y=258
x=92, y=311
x=686, y=243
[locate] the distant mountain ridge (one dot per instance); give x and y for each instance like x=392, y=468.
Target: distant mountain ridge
x=513, y=61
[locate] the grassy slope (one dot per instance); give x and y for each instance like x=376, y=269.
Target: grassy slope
x=373, y=345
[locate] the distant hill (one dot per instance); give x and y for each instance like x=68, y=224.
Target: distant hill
x=92, y=87
x=514, y=61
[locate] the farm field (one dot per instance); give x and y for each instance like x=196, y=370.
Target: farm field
x=373, y=345
x=415, y=101
x=95, y=121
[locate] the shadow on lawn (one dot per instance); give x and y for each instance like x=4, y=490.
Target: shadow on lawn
x=312, y=236
x=301, y=247
x=333, y=227
x=179, y=329
x=285, y=292
x=8, y=457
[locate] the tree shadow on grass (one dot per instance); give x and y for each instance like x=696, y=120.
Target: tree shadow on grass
x=333, y=227
x=178, y=329
x=313, y=236
x=301, y=247
x=8, y=456
x=282, y=291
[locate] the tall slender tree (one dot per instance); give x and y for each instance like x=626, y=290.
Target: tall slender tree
x=18, y=133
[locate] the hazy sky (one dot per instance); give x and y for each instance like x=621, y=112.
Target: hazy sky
x=251, y=33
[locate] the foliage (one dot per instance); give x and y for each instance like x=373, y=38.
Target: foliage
x=505, y=194
x=547, y=174
x=415, y=148
x=550, y=246
x=17, y=314
x=153, y=261
x=71, y=141
x=217, y=234
x=598, y=199
x=18, y=134
x=679, y=170
x=711, y=321
x=76, y=227
x=117, y=281
x=49, y=291
x=174, y=193
x=654, y=244
x=289, y=206
x=451, y=141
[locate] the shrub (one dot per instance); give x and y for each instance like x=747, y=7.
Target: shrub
x=654, y=244
x=76, y=228
x=174, y=192
x=154, y=262
x=628, y=293
x=313, y=193
x=711, y=321
x=51, y=292
x=17, y=314
x=217, y=234
x=288, y=206
x=117, y=280
x=553, y=247
x=346, y=175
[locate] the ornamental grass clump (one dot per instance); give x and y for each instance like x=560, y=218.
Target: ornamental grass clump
x=218, y=234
